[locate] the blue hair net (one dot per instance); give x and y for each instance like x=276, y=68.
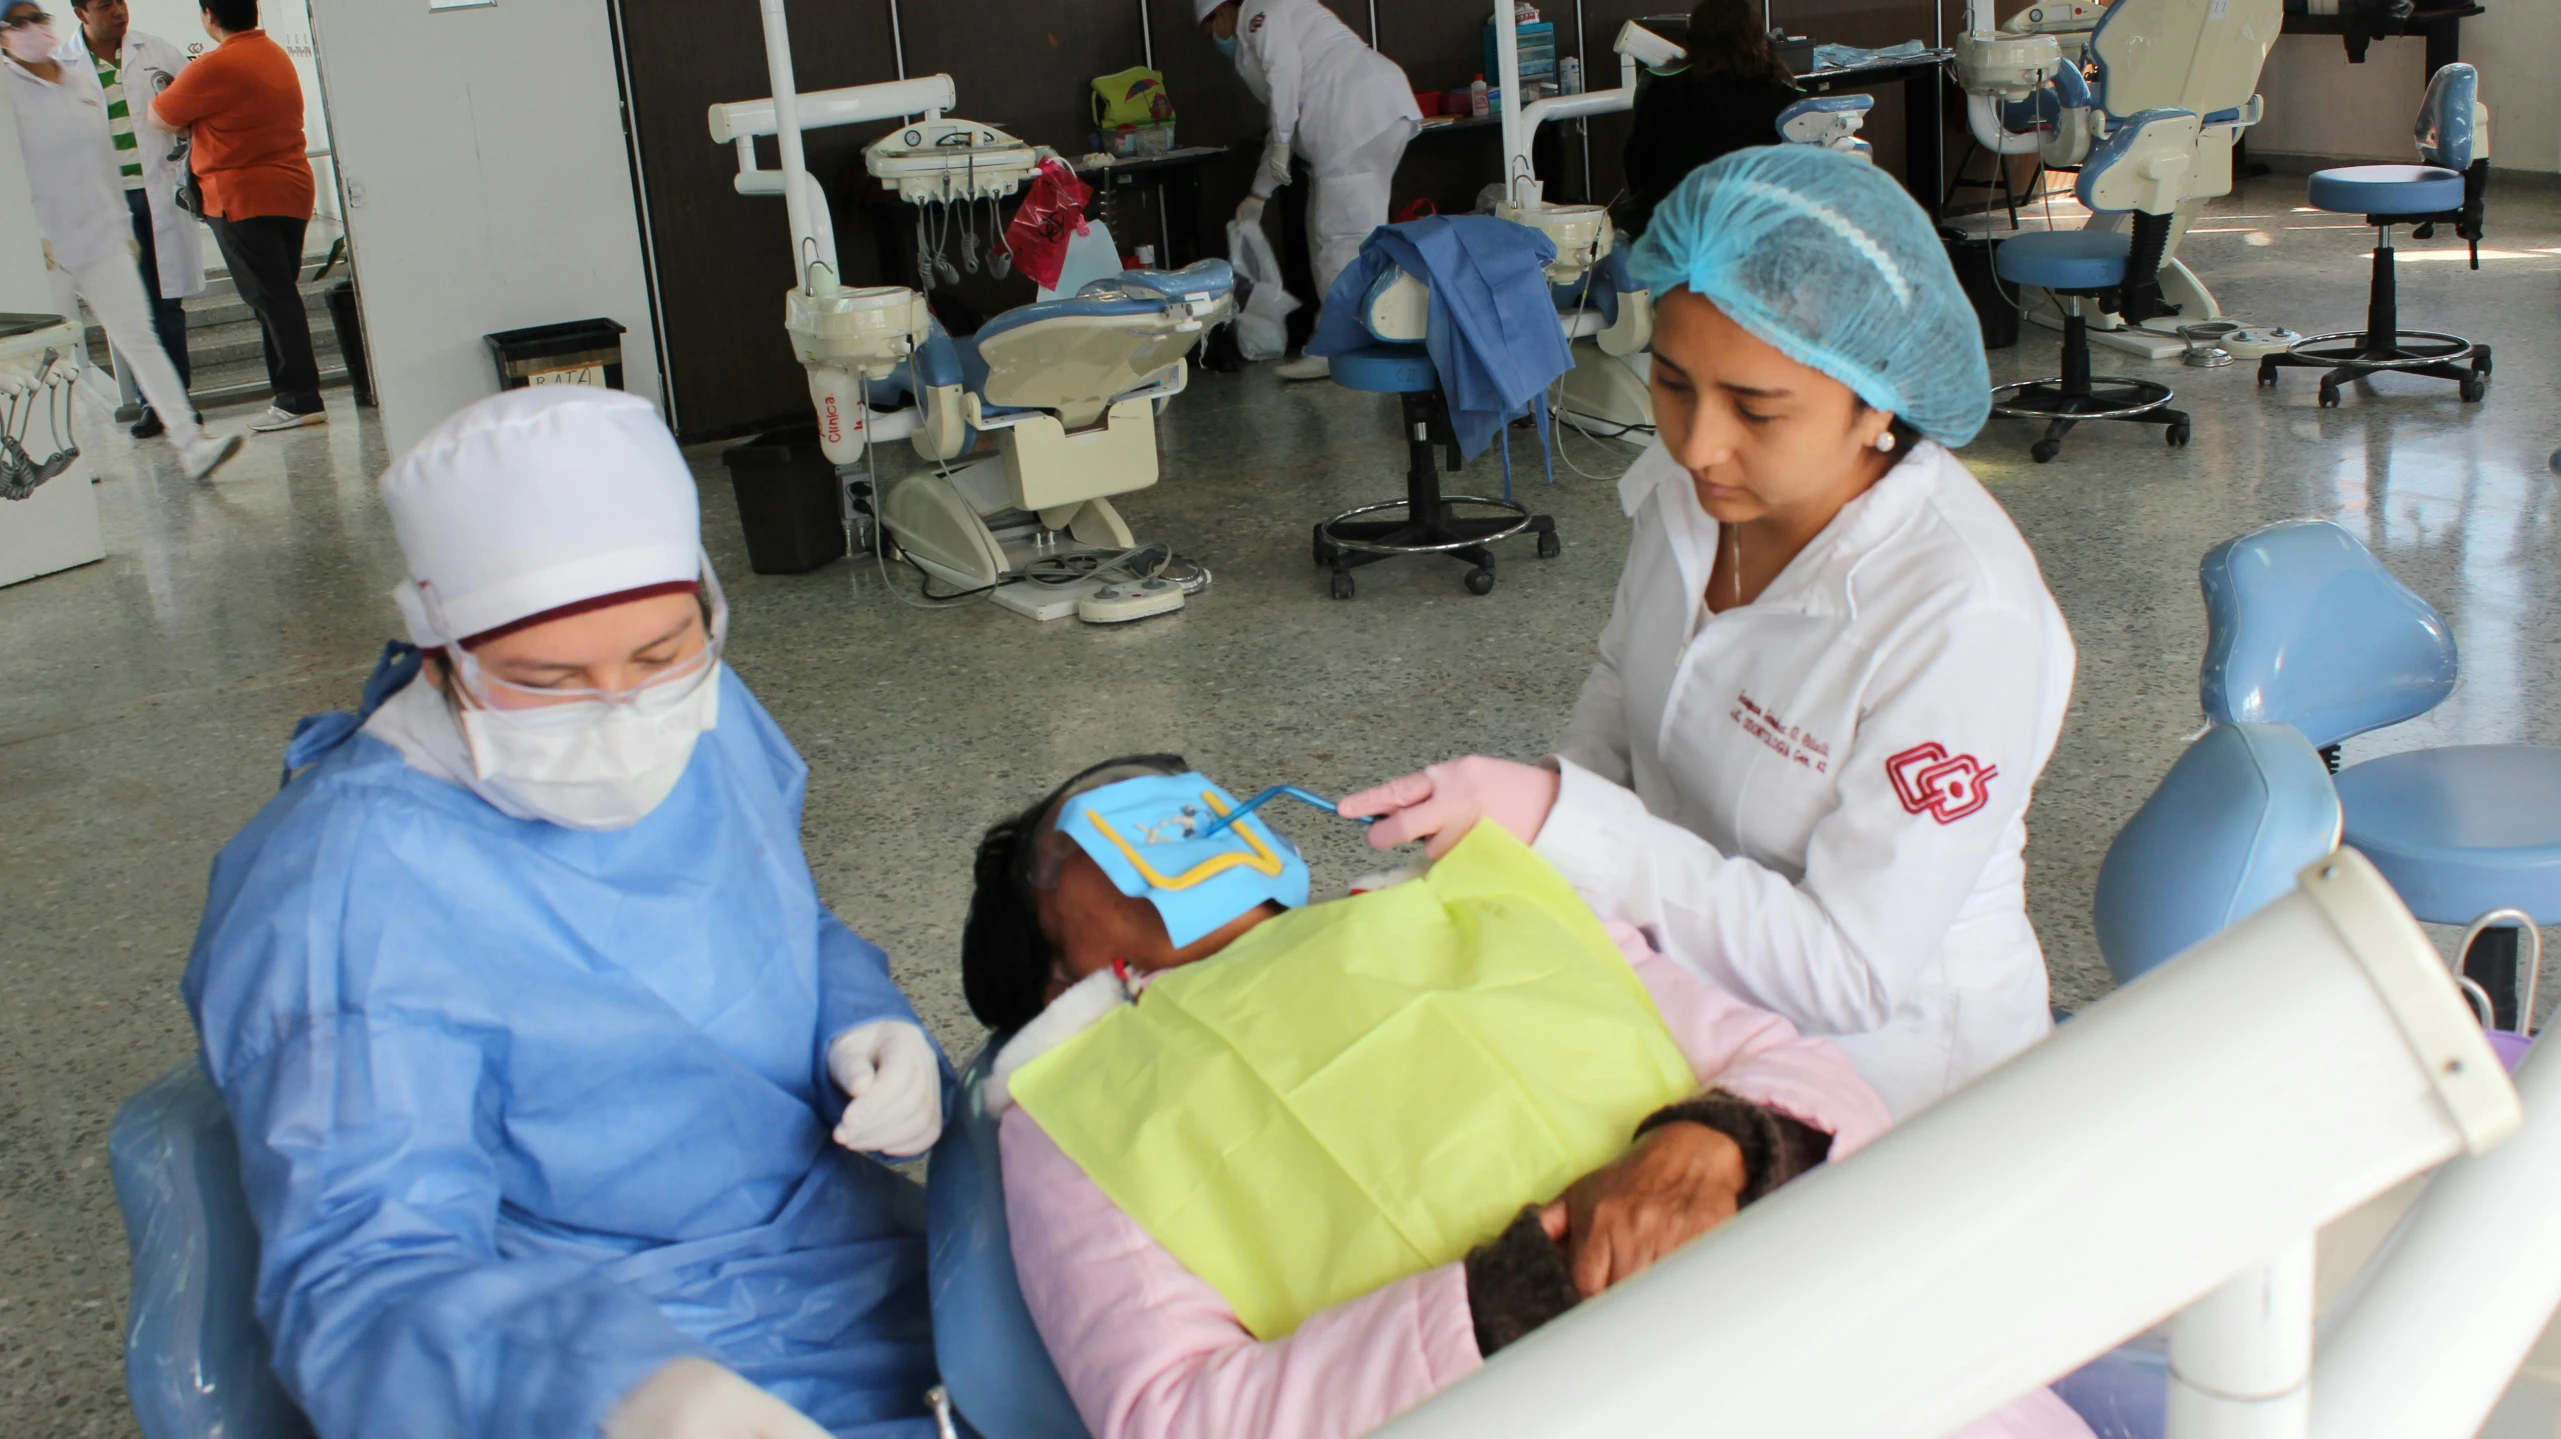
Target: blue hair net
x=1826, y=257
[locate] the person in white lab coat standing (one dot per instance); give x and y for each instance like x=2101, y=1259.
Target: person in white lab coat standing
x=1833, y=672
x=1343, y=106
x=87, y=227
x=130, y=67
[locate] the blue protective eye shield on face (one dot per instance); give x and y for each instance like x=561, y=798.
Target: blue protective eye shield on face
x=1160, y=838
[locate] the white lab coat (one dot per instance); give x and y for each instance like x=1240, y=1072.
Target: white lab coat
x=71, y=167
x=1817, y=800
x=177, y=238
x=1329, y=93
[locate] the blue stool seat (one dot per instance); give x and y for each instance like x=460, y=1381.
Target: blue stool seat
x=2463, y=830
x=2064, y=259
x=1386, y=370
x=2387, y=190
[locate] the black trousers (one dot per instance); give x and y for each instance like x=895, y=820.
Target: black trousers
x=265, y=256
x=168, y=317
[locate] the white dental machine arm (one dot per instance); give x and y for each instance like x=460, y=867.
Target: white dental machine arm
x=2199, y=1122
x=1635, y=45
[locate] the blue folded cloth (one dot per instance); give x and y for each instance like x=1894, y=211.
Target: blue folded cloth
x=1492, y=332
x=1850, y=57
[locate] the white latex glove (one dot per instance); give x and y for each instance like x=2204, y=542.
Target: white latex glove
x=1440, y=805
x=1276, y=164
x=693, y=1398
x=888, y=1067
x=1249, y=211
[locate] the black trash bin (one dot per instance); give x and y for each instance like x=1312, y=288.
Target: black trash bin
x=787, y=501
x=575, y=353
x=350, y=326
x=1993, y=301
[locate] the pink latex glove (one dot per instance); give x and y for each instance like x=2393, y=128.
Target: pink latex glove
x=1440, y=805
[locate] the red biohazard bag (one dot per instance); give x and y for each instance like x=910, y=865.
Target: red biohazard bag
x=1052, y=211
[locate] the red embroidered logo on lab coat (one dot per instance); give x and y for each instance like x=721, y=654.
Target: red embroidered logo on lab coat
x=1254, y=24
x=1946, y=787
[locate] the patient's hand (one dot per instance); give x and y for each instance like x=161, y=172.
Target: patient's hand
x=1676, y=1183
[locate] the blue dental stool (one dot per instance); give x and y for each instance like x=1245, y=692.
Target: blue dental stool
x=2453, y=136
x=1396, y=314
x=195, y=1358
x=2305, y=627
x=2118, y=271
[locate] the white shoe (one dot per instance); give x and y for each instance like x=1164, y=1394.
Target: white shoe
x=207, y=455
x=277, y=418
x=1305, y=367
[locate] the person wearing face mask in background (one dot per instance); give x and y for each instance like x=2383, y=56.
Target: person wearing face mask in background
x=553, y=1075
x=88, y=229
x=1833, y=672
x=1346, y=108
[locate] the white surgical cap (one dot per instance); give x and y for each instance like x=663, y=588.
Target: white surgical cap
x=1201, y=10
x=535, y=499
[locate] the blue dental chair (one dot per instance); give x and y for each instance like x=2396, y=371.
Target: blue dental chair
x=2141, y=167
x=196, y=1362
x=995, y=1368
x=2241, y=813
x=2304, y=627
x=1829, y=122
x=2454, y=146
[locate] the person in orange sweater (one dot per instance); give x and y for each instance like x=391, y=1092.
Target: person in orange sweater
x=242, y=103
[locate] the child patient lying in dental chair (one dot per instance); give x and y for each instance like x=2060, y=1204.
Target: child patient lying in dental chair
x=1300, y=1189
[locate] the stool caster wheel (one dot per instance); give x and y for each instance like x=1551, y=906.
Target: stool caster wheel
x=2177, y=435
x=2480, y=359
x=2044, y=450
x=2472, y=389
x=2267, y=374
x=1342, y=584
x=2329, y=396
x=1480, y=582
x=1549, y=546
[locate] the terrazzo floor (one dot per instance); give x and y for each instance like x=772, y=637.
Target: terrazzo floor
x=143, y=700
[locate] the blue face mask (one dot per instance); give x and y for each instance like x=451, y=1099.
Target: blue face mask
x=1226, y=45
x=1142, y=832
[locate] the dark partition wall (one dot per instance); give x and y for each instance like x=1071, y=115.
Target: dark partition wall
x=721, y=261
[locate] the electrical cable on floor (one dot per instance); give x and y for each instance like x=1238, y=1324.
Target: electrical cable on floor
x=1558, y=423
x=1141, y=564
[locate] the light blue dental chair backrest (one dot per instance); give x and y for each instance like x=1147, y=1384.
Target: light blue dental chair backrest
x=2225, y=832
x=2303, y=626
x=195, y=1361
x=2444, y=131
x=993, y=1362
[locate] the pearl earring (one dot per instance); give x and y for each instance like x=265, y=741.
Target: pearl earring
x=1885, y=442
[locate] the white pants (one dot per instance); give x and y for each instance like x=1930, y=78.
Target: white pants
x=113, y=289
x=1350, y=201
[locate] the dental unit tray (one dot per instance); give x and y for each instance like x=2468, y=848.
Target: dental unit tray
x=936, y=160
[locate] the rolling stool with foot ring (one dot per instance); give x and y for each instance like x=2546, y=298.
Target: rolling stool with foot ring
x=2118, y=271
x=1430, y=524
x=2445, y=190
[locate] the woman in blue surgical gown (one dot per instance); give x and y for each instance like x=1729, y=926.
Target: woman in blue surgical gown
x=528, y=1013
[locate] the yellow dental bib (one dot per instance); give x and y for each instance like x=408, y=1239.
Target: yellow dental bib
x=1359, y=1091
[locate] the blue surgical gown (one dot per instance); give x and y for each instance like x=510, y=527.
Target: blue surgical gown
x=526, y=1112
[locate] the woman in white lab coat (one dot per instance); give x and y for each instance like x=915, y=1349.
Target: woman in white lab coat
x=1833, y=673
x=1343, y=106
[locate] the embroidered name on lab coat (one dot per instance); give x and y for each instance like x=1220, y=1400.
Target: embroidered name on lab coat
x=1784, y=740
x=1946, y=787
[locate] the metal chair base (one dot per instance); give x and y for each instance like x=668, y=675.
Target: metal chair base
x=2065, y=400
x=2383, y=347
x=1429, y=524
x=2352, y=355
